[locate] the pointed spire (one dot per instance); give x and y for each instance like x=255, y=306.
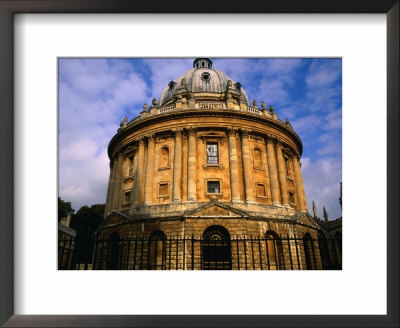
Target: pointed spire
x=314, y=208
x=325, y=214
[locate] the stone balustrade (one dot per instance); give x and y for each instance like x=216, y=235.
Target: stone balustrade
x=199, y=105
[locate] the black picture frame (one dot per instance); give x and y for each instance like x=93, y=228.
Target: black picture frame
x=10, y=7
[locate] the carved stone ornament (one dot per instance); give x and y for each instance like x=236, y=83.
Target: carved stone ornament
x=178, y=133
x=212, y=137
x=256, y=138
x=183, y=83
x=151, y=138
x=191, y=131
x=154, y=102
x=263, y=105
x=254, y=103
x=245, y=133
x=232, y=132
x=145, y=106
x=270, y=138
x=271, y=108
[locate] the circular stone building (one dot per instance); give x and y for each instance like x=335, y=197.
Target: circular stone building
x=204, y=179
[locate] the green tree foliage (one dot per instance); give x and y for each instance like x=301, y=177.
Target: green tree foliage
x=64, y=208
x=86, y=221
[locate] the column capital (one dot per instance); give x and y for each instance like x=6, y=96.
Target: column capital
x=270, y=138
x=245, y=133
x=191, y=131
x=141, y=140
x=278, y=143
x=178, y=133
x=232, y=131
x=150, y=138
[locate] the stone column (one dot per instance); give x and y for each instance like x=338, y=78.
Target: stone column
x=176, y=187
x=116, y=198
x=273, y=172
x=301, y=199
x=113, y=164
x=233, y=166
x=192, y=166
x=139, y=174
x=149, y=185
x=247, y=169
x=282, y=173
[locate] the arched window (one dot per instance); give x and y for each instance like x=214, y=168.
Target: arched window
x=113, y=251
x=309, y=252
x=257, y=159
x=273, y=250
x=216, y=249
x=164, y=157
x=156, y=251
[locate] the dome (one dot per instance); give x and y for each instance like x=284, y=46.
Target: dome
x=202, y=78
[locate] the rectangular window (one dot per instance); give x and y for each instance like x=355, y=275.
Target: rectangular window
x=213, y=187
x=163, y=189
x=212, y=153
x=261, y=190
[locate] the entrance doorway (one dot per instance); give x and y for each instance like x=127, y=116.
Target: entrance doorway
x=216, y=249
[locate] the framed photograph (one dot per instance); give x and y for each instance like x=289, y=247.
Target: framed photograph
x=43, y=48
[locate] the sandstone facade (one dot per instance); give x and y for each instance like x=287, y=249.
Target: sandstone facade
x=204, y=157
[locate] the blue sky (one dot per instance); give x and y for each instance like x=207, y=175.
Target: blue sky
x=96, y=94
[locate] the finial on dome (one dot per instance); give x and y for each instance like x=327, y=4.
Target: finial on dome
x=263, y=105
x=202, y=63
x=287, y=122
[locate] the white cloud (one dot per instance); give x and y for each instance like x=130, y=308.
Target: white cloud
x=93, y=96
x=322, y=182
x=323, y=74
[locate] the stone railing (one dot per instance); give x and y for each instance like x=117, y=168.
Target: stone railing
x=254, y=110
x=202, y=105
x=210, y=105
x=166, y=109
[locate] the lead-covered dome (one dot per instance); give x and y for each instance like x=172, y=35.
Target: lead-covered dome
x=200, y=79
